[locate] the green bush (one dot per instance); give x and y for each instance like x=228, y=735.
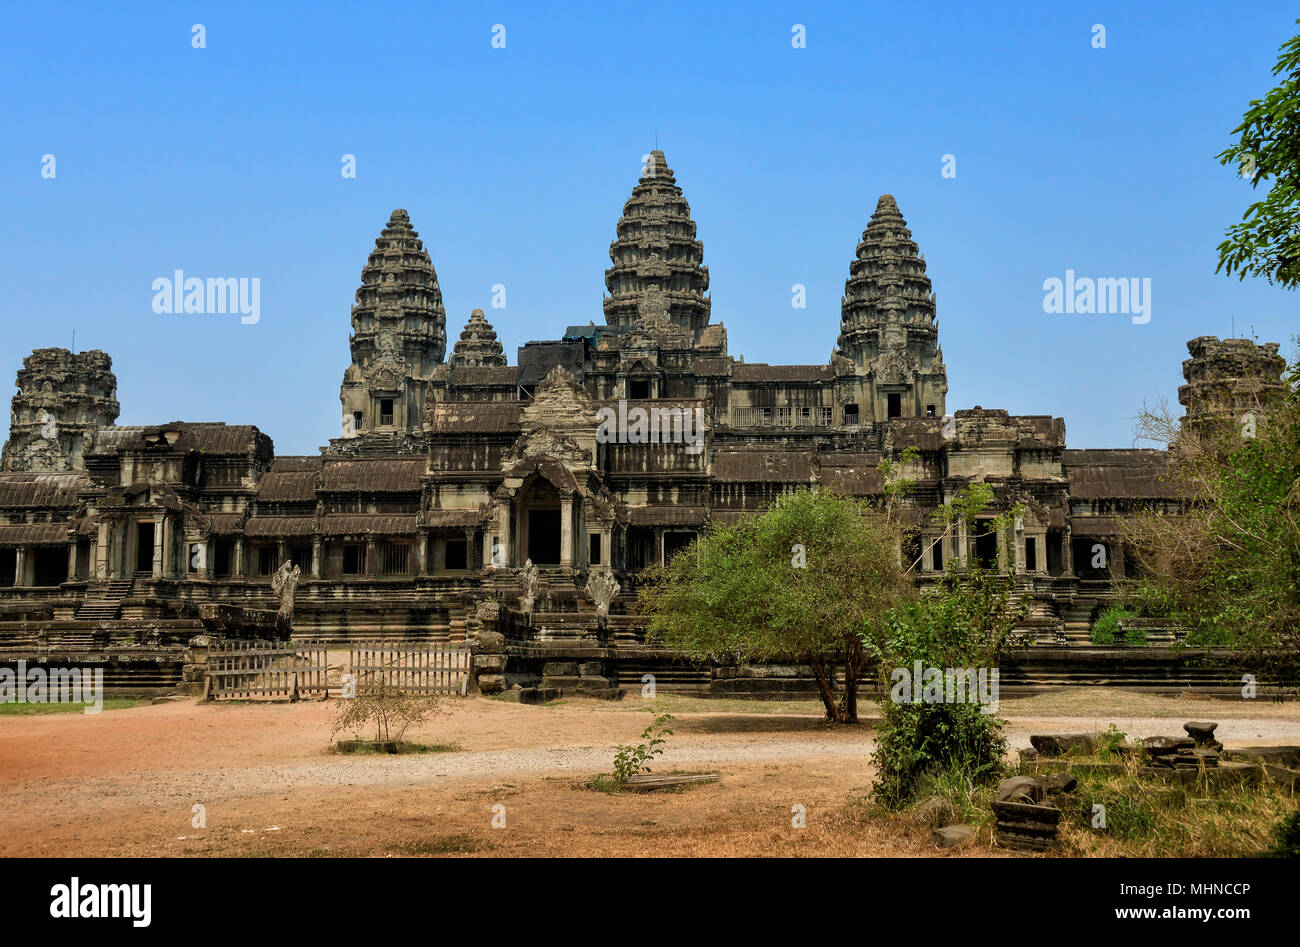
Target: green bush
x=965, y=624
x=1288, y=837
x=1105, y=630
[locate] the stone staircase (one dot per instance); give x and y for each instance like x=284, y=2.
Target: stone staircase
x=103, y=602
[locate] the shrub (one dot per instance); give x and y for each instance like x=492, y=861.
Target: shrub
x=964, y=625
x=1105, y=630
x=633, y=759
x=1288, y=837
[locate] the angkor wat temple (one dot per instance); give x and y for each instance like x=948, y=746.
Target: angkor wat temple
x=454, y=470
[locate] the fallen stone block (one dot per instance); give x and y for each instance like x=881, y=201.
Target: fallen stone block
x=1288, y=756
x=1160, y=745
x=1020, y=788
x=1060, y=782
x=1201, y=731
x=1059, y=744
x=950, y=836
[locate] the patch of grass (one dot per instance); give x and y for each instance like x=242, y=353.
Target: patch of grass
x=1148, y=817
x=461, y=844
x=110, y=703
x=404, y=747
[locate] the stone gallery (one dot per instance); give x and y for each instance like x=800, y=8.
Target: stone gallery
x=467, y=497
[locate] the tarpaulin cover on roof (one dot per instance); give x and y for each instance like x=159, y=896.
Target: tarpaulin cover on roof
x=536, y=359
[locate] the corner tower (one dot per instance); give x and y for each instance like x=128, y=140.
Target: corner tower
x=63, y=398
x=656, y=255
x=888, y=327
x=399, y=336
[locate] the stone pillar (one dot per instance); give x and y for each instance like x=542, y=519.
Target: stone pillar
x=1067, y=553
x=237, y=555
x=72, y=561
x=566, y=532
x=963, y=543
x=1115, y=558
x=101, y=551
x=315, y=557
x=281, y=553
x=504, y=516
x=422, y=552
x=1002, y=549
x=487, y=548
x=206, y=546
x=607, y=548
x=159, y=520
x=371, y=547
x=659, y=545
x=20, y=567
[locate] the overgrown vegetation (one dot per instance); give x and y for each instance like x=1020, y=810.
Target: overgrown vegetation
x=1106, y=629
x=1225, y=568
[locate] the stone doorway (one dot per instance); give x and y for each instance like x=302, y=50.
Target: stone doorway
x=986, y=545
x=544, y=537
x=144, y=548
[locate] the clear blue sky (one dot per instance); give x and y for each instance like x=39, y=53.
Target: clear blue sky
x=514, y=164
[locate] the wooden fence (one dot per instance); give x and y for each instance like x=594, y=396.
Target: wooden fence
x=411, y=668
x=268, y=670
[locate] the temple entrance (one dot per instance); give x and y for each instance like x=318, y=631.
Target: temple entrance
x=544, y=537
x=986, y=545
x=144, y=547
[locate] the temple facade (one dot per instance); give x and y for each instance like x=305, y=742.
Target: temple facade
x=462, y=488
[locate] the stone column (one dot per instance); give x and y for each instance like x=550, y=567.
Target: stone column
x=101, y=551
x=20, y=567
x=566, y=532
x=371, y=546
x=1002, y=549
x=487, y=548
x=963, y=543
x=237, y=566
x=659, y=545
x=607, y=548
x=1115, y=558
x=281, y=553
x=504, y=515
x=1067, y=553
x=159, y=520
x=422, y=552
x=315, y=557
x=72, y=561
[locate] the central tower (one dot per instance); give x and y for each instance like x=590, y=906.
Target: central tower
x=657, y=260
x=888, y=323
x=399, y=337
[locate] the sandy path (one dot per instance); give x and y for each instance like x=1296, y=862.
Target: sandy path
x=125, y=781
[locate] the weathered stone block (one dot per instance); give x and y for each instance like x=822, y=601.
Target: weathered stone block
x=490, y=642
x=950, y=836
x=560, y=669
x=491, y=683
x=1020, y=788
x=490, y=662
x=1059, y=744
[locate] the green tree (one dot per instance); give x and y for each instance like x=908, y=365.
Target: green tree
x=1267, y=240
x=798, y=582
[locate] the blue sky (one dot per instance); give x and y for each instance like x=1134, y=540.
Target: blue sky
x=514, y=164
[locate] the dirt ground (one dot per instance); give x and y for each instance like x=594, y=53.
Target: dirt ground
x=126, y=782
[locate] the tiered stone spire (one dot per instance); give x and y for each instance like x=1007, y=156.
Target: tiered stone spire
x=886, y=285
x=888, y=321
x=399, y=300
x=399, y=335
x=478, y=344
x=656, y=255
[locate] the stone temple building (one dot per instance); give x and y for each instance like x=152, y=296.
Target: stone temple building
x=596, y=453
